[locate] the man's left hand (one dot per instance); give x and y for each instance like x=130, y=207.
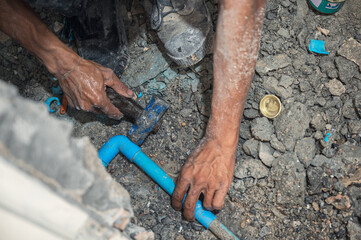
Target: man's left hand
x=208, y=170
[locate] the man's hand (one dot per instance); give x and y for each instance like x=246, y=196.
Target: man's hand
x=208, y=170
x=85, y=87
x=85, y=82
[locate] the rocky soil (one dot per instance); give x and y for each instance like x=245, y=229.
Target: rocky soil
x=297, y=176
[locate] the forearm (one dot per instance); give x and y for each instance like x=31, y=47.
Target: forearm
x=21, y=23
x=236, y=48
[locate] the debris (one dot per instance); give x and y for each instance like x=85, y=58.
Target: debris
x=357, y=102
x=140, y=95
x=305, y=150
x=262, y=129
x=315, y=206
x=317, y=46
x=354, y=230
x=323, y=31
x=351, y=49
x=318, y=160
x=336, y=87
x=250, y=168
x=271, y=63
x=58, y=26
x=144, y=66
x=327, y=136
x=271, y=84
x=340, y=202
x=290, y=179
x=356, y=178
x=266, y=154
x=250, y=147
x=291, y=125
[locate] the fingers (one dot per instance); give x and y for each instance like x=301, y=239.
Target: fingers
x=111, y=80
x=109, y=109
x=178, y=194
x=208, y=199
x=190, y=203
x=218, y=200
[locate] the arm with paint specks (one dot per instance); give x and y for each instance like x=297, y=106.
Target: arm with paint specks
x=84, y=81
x=209, y=169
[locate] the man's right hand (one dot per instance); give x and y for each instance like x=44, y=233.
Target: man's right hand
x=84, y=88
x=85, y=82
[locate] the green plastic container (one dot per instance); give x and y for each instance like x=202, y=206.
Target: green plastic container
x=327, y=6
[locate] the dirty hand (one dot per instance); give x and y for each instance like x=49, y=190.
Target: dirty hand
x=84, y=88
x=208, y=170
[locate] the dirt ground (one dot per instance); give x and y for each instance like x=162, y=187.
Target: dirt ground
x=296, y=176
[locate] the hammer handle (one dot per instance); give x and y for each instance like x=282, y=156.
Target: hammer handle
x=130, y=108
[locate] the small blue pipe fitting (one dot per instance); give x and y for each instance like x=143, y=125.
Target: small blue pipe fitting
x=49, y=101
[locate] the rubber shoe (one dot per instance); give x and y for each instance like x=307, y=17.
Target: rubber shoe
x=184, y=27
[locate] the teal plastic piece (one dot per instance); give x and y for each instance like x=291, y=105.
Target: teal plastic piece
x=317, y=46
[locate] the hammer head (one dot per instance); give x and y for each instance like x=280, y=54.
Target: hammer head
x=148, y=120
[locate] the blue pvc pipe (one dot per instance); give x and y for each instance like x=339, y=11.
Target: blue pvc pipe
x=133, y=152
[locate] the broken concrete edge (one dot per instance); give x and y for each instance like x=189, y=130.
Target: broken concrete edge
x=42, y=213
x=65, y=159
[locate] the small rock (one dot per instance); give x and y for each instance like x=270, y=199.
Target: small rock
x=285, y=81
x=264, y=232
x=318, y=160
x=276, y=144
x=291, y=125
x=170, y=74
x=348, y=110
x=250, y=147
x=58, y=26
x=357, y=102
x=354, y=126
x=315, y=206
x=346, y=69
x=271, y=63
x=340, y=202
x=271, y=84
x=305, y=150
x=137, y=73
x=284, y=32
x=336, y=87
x=250, y=168
x=290, y=179
x=354, y=230
x=262, y=129
x=266, y=154
x=317, y=122
x=186, y=112
x=251, y=113
x=351, y=49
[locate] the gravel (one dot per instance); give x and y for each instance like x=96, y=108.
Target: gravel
x=285, y=169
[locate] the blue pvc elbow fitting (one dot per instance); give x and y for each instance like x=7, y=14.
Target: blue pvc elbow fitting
x=134, y=154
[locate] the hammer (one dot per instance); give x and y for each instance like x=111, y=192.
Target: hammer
x=145, y=120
